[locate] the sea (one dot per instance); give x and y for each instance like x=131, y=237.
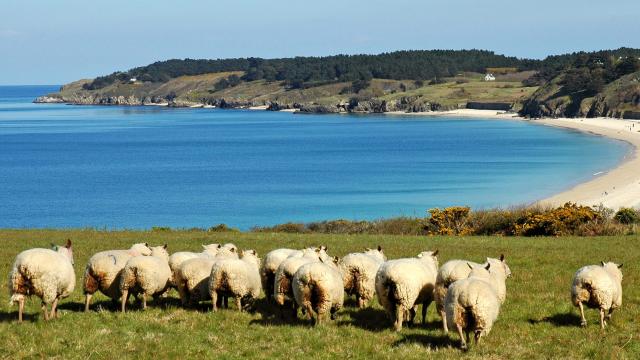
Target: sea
x=136, y=167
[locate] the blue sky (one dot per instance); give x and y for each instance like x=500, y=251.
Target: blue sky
x=54, y=42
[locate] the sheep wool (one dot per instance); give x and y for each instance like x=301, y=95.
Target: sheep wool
x=237, y=278
x=403, y=284
x=45, y=273
x=473, y=304
x=270, y=264
x=599, y=287
x=104, y=269
x=146, y=275
x=192, y=277
x=454, y=270
x=282, y=291
x=177, y=258
x=359, y=274
x=317, y=287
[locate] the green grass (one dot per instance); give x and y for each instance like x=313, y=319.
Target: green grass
x=536, y=321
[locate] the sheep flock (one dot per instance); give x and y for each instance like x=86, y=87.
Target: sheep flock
x=468, y=295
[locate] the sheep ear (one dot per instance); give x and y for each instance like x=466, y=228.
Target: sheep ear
x=435, y=253
x=620, y=266
x=323, y=247
x=146, y=244
x=501, y=257
x=488, y=266
x=336, y=259
x=318, y=250
x=602, y=262
x=68, y=244
x=254, y=252
x=470, y=267
x=165, y=246
x=232, y=250
x=219, y=246
x=379, y=248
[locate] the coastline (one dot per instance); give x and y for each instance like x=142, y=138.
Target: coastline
x=615, y=188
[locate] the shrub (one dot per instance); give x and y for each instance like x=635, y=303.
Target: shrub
x=564, y=220
x=627, y=216
x=449, y=221
x=160, y=229
x=222, y=228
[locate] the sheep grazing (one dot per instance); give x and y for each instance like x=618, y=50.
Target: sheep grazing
x=359, y=274
x=237, y=278
x=46, y=273
x=270, y=264
x=176, y=259
x=317, y=287
x=455, y=270
x=600, y=287
x=146, y=275
x=192, y=277
x=104, y=269
x=473, y=304
x=282, y=291
x=403, y=284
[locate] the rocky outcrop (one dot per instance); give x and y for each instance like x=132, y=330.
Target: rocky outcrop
x=48, y=100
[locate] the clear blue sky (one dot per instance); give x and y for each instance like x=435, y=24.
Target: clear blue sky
x=54, y=42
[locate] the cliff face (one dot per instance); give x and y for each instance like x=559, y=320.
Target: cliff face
x=616, y=99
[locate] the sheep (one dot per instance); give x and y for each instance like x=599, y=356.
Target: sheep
x=359, y=274
x=192, y=277
x=282, y=291
x=403, y=284
x=103, y=271
x=473, y=304
x=270, y=264
x=238, y=278
x=454, y=270
x=600, y=287
x=317, y=287
x=146, y=275
x=176, y=259
x=46, y=273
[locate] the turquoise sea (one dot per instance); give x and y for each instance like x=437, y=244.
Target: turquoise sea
x=138, y=167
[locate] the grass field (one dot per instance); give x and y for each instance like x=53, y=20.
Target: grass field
x=536, y=321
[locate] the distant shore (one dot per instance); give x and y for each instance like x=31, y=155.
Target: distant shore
x=616, y=188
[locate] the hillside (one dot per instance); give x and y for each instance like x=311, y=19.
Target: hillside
x=603, y=83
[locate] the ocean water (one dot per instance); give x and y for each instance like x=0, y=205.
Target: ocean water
x=138, y=167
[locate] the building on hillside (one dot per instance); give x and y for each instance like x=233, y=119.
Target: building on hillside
x=133, y=80
x=489, y=77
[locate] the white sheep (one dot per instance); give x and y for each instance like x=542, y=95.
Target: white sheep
x=359, y=274
x=192, y=277
x=104, y=269
x=455, y=270
x=600, y=287
x=473, y=304
x=237, y=278
x=146, y=275
x=270, y=264
x=403, y=284
x=46, y=273
x=177, y=258
x=282, y=290
x=317, y=287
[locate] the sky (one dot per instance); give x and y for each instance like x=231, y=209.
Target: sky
x=55, y=42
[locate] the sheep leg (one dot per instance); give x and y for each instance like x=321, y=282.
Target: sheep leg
x=20, y=308
x=463, y=343
x=214, y=300
x=45, y=311
x=308, y=310
x=125, y=297
x=425, y=307
x=360, y=301
x=583, y=321
x=225, y=301
x=608, y=316
x=603, y=322
x=87, y=301
x=412, y=314
x=144, y=301
x=239, y=303
x=54, y=309
x=399, y=317
x=445, y=328
x=477, y=335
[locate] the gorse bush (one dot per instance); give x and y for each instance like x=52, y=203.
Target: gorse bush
x=569, y=219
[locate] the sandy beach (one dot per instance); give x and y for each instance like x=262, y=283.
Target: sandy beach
x=616, y=188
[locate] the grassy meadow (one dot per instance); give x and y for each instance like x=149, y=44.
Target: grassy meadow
x=536, y=321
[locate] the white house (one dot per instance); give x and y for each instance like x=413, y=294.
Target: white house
x=132, y=80
x=489, y=77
